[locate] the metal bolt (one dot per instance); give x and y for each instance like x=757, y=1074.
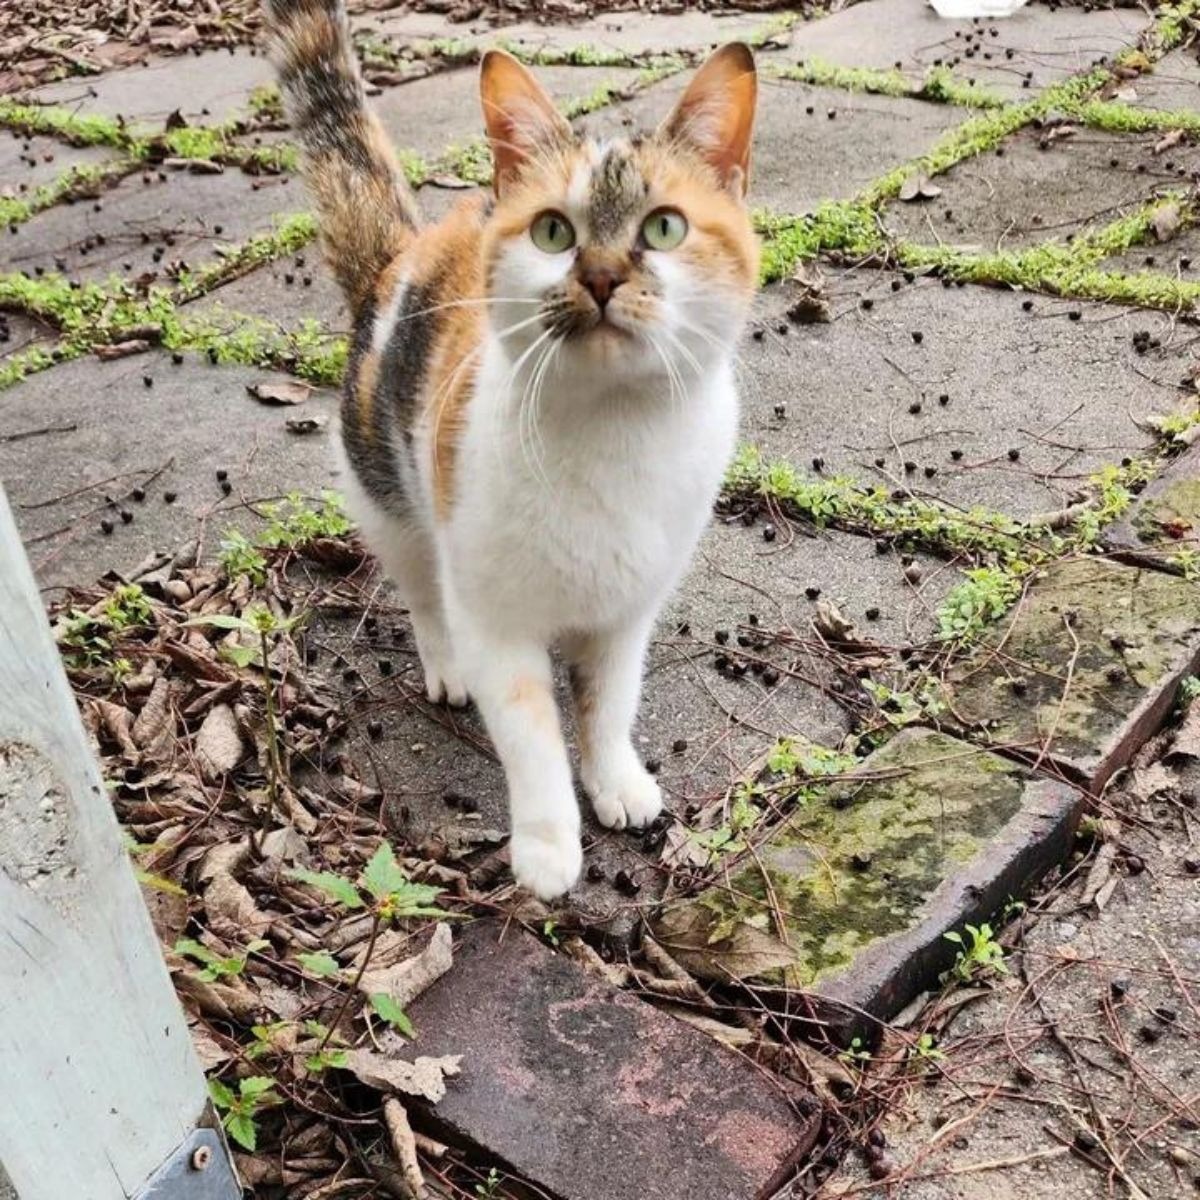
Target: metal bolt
x=201, y=1158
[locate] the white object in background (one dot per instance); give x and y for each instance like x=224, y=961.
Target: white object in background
x=964, y=10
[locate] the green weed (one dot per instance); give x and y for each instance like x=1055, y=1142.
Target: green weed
x=979, y=956
x=240, y=1109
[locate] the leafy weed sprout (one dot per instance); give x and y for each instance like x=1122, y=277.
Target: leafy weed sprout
x=979, y=953
x=239, y=1109
x=390, y=896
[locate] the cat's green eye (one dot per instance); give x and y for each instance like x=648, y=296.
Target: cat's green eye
x=664, y=229
x=553, y=233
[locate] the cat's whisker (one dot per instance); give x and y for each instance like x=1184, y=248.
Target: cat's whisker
x=674, y=395
x=530, y=402
x=436, y=308
x=535, y=422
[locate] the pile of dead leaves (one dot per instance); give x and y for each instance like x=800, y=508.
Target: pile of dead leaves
x=295, y=934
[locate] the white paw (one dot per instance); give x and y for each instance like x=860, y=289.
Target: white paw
x=442, y=682
x=547, y=859
x=629, y=800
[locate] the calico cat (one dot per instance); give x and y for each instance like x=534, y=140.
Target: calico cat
x=539, y=404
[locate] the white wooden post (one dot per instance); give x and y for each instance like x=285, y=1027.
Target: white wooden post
x=99, y=1085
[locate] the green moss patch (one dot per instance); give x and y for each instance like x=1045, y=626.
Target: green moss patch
x=854, y=865
x=939, y=85
x=1091, y=642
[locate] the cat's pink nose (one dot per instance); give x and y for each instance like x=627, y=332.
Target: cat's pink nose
x=601, y=282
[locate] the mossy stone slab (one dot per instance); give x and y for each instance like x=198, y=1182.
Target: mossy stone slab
x=1086, y=669
x=1163, y=528
x=849, y=900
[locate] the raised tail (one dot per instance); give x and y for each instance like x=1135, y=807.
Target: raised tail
x=366, y=209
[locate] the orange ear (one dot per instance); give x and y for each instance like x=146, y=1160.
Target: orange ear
x=716, y=114
x=520, y=118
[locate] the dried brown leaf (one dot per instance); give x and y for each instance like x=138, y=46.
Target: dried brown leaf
x=116, y=721
x=407, y=980
x=280, y=391
x=686, y=934
x=1165, y=222
x=121, y=349
x=425, y=1077
x=232, y=912
x=1169, y=140
x=918, y=186
x=154, y=729
x=218, y=743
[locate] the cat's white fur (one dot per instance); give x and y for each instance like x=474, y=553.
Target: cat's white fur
x=570, y=527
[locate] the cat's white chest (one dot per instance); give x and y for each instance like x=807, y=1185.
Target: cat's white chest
x=592, y=517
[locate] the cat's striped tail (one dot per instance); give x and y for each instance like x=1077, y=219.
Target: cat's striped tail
x=366, y=209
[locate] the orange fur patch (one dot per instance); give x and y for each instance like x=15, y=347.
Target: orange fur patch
x=535, y=698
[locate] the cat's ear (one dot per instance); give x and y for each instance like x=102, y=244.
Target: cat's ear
x=715, y=116
x=520, y=117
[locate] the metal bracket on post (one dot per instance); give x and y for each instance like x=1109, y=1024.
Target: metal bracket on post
x=200, y=1169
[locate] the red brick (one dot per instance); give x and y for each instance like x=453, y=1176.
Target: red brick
x=593, y=1094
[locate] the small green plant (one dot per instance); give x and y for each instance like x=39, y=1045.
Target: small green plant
x=490, y=1187
x=925, y=1049
x=86, y=640
x=391, y=896
x=294, y=521
x=268, y=1039
x=730, y=838
x=808, y=760
x=550, y=931
x=215, y=966
x=855, y=1053
x=239, y=556
x=1189, y=690
x=983, y=597
x=979, y=956
x=1187, y=563
x=322, y=964
x=239, y=1110
x=128, y=606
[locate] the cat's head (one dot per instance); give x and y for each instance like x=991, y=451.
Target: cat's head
x=627, y=254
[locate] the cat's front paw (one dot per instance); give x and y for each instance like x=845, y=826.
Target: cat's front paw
x=443, y=683
x=628, y=800
x=547, y=859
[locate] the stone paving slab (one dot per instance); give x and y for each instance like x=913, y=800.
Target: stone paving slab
x=626, y=32
x=287, y=291
x=1047, y=43
x=130, y=224
x=1085, y=669
x=1173, y=84
x=1027, y=194
x=868, y=136
x=433, y=114
x=207, y=88
x=196, y=417
x=592, y=1094
x=1163, y=527
x=849, y=900
x=1067, y=398
x=27, y=163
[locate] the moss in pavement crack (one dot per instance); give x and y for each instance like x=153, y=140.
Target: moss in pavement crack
x=939, y=85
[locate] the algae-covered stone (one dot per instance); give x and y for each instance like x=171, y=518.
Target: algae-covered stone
x=850, y=898
x=1086, y=669
x=1163, y=528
